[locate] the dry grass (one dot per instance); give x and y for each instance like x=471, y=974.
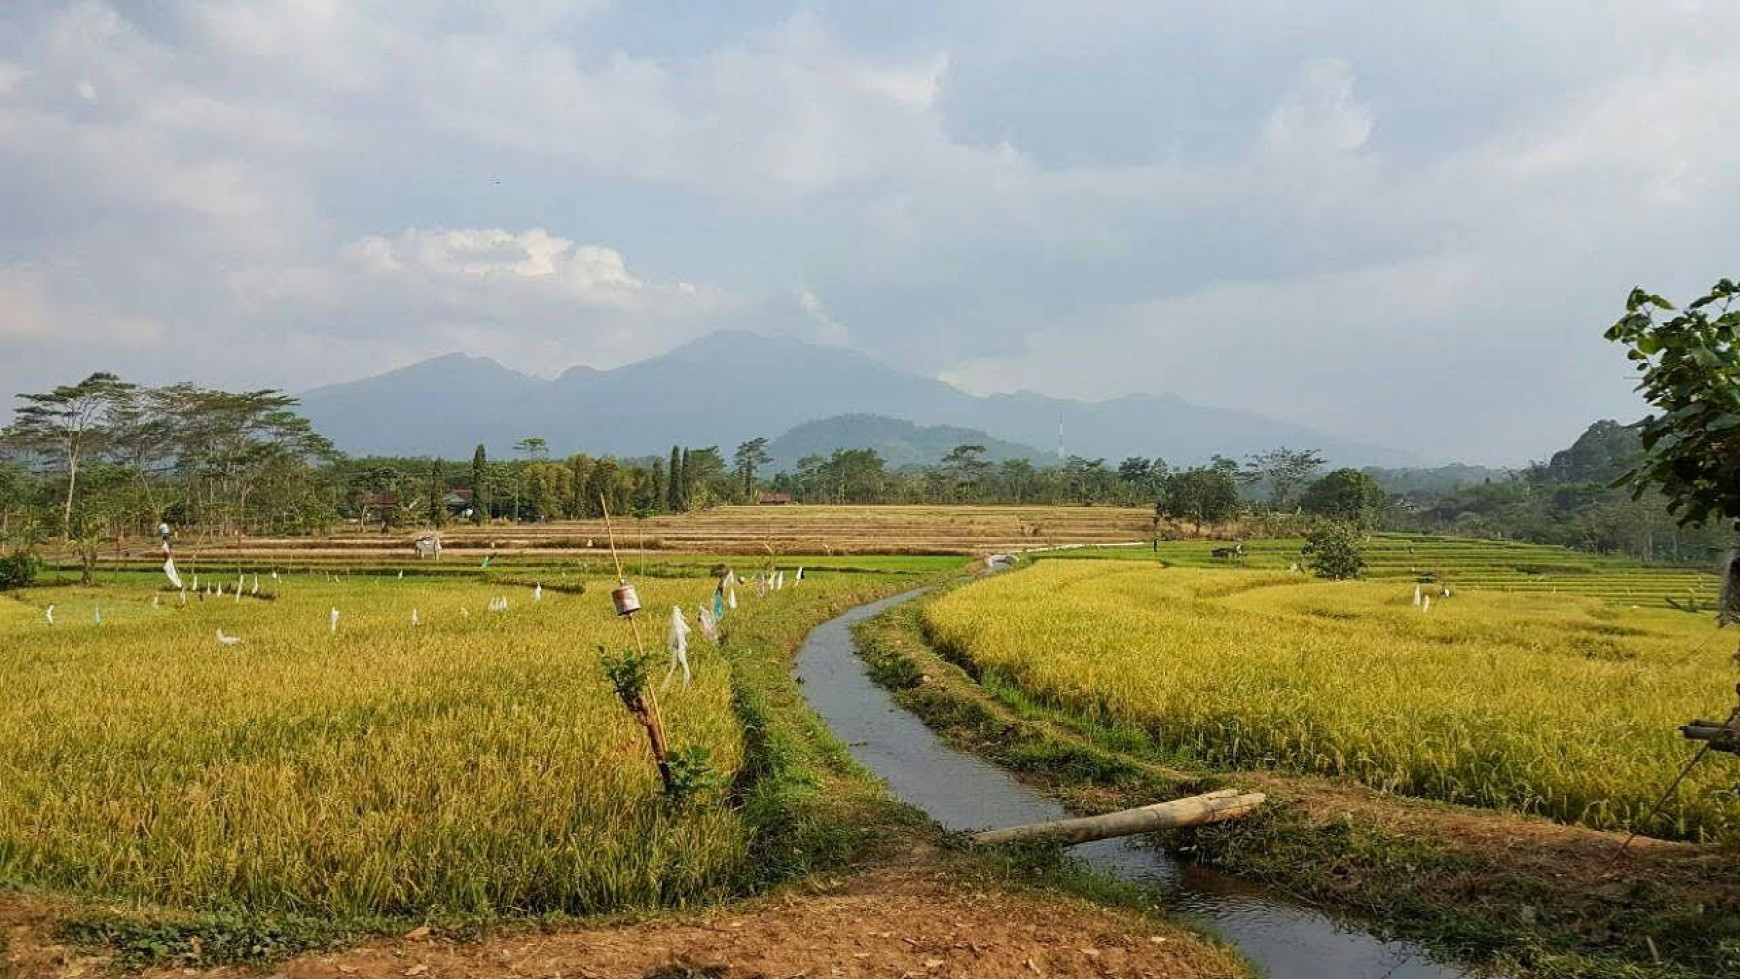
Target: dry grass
x=796, y=529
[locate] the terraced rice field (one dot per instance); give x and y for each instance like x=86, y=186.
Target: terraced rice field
x=1560, y=705
x=1466, y=563
x=476, y=762
x=795, y=529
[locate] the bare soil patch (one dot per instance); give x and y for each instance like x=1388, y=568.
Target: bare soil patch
x=915, y=920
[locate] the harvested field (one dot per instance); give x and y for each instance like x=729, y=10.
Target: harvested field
x=792, y=529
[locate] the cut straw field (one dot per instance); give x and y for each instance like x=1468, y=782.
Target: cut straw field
x=1558, y=705
x=476, y=763
x=792, y=529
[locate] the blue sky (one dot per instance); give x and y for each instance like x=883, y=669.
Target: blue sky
x=1405, y=224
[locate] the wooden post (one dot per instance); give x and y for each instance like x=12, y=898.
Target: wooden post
x=1199, y=810
x=645, y=707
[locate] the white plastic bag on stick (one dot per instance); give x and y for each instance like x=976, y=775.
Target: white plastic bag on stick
x=678, y=644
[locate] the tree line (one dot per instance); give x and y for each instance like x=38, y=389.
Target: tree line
x=105, y=459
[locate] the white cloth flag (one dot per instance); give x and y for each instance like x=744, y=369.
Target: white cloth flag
x=414, y=617
x=779, y=581
x=196, y=582
x=538, y=592
x=731, y=589
x=169, y=572
x=332, y=621
x=678, y=643
x=708, y=627
x=800, y=574
x=256, y=590
x=49, y=612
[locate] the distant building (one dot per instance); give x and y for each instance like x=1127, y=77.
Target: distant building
x=457, y=500
x=773, y=499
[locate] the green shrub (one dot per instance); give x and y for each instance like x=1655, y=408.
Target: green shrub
x=1332, y=551
x=18, y=570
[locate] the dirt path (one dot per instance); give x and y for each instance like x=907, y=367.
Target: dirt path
x=916, y=920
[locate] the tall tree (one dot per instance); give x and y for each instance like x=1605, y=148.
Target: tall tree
x=1283, y=471
x=705, y=474
x=581, y=503
x=67, y=426
x=1203, y=495
x=437, y=495
x=1134, y=472
x=686, y=485
x=533, y=448
x=659, y=497
x=235, y=441
x=1016, y=478
x=965, y=466
x=1088, y=479
x=674, y=489
x=1691, y=375
x=479, y=485
x=1347, y=495
x=750, y=456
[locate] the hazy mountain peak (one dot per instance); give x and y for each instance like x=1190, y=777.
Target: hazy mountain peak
x=727, y=387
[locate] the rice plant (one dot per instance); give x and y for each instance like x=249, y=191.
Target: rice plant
x=352, y=764
x=1560, y=705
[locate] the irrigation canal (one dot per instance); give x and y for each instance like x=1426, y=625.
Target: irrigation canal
x=1283, y=938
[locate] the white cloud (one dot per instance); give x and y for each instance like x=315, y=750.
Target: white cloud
x=30, y=314
x=1320, y=113
x=829, y=330
x=494, y=258
x=23, y=310
x=1147, y=198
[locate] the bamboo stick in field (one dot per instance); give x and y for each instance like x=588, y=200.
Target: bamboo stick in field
x=645, y=703
x=1197, y=810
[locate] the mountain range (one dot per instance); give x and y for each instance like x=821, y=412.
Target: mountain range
x=726, y=388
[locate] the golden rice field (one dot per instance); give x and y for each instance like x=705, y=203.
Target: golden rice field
x=475, y=763
x=1465, y=562
x=1559, y=705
